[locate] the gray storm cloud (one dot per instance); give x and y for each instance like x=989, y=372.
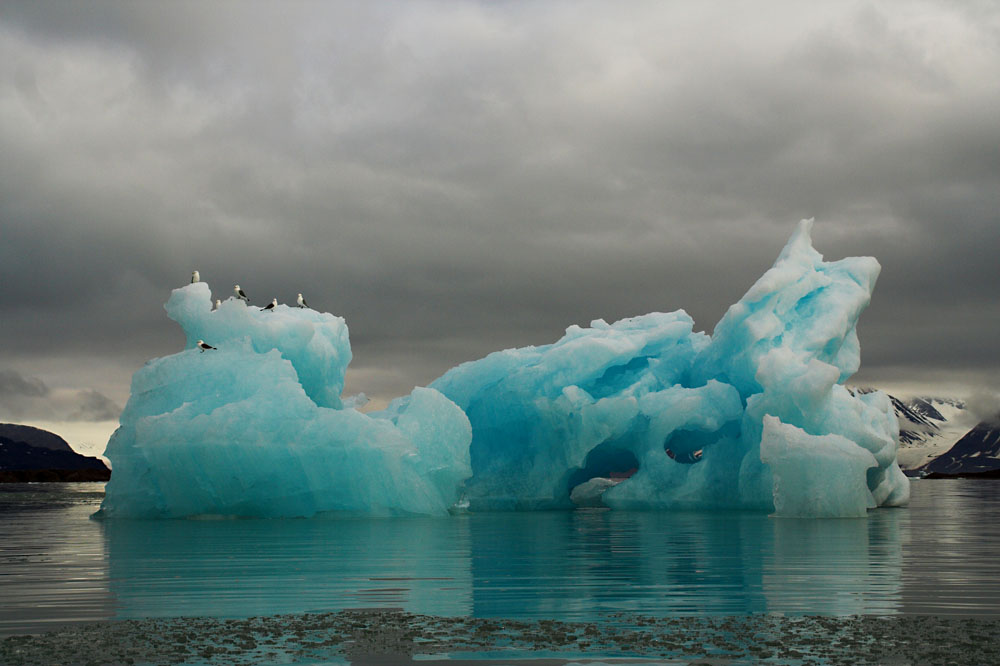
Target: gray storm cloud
x=984, y=404
x=30, y=398
x=13, y=385
x=460, y=177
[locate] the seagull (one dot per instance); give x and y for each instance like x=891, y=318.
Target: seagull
x=301, y=301
x=218, y=304
x=270, y=306
x=202, y=346
x=240, y=294
x=195, y=277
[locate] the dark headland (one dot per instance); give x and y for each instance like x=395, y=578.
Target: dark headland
x=29, y=454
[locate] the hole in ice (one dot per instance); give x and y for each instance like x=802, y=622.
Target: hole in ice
x=607, y=461
x=688, y=446
x=686, y=458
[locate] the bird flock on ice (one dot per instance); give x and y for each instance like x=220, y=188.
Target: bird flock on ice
x=241, y=295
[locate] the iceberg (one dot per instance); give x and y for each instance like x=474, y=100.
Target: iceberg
x=642, y=413
x=257, y=427
x=755, y=416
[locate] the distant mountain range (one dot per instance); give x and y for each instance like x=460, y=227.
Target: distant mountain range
x=32, y=454
x=940, y=437
x=977, y=453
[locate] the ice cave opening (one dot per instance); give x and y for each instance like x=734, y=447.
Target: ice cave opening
x=609, y=460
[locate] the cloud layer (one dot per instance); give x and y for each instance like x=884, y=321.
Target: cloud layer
x=28, y=398
x=456, y=178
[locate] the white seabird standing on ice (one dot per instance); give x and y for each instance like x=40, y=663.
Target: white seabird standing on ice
x=301, y=301
x=195, y=277
x=270, y=306
x=218, y=304
x=240, y=294
x=202, y=346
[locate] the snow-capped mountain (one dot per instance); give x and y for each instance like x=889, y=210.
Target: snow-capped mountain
x=940, y=435
x=977, y=452
x=928, y=427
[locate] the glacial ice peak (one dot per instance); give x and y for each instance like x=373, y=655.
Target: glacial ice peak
x=799, y=247
x=687, y=411
x=642, y=413
x=317, y=344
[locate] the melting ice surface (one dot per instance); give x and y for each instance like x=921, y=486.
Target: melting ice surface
x=644, y=413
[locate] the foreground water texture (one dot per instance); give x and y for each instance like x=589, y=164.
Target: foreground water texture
x=644, y=413
x=918, y=585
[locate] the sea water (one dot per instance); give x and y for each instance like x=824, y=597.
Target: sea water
x=59, y=567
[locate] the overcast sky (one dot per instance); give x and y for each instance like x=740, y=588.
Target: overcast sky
x=456, y=177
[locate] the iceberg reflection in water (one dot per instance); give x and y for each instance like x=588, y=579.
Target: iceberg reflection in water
x=563, y=565
x=935, y=557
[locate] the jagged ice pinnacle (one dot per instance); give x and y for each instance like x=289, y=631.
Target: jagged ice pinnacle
x=644, y=413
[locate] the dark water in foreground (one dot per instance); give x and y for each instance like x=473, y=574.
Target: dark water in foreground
x=939, y=557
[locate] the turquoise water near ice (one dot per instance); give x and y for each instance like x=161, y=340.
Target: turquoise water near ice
x=937, y=556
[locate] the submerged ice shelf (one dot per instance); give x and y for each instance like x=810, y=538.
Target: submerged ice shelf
x=646, y=412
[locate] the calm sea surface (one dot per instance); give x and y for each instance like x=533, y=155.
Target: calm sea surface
x=939, y=556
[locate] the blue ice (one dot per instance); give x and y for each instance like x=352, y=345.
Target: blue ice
x=642, y=413
x=257, y=427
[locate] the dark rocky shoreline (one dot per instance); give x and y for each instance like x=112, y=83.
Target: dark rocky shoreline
x=53, y=475
x=396, y=637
